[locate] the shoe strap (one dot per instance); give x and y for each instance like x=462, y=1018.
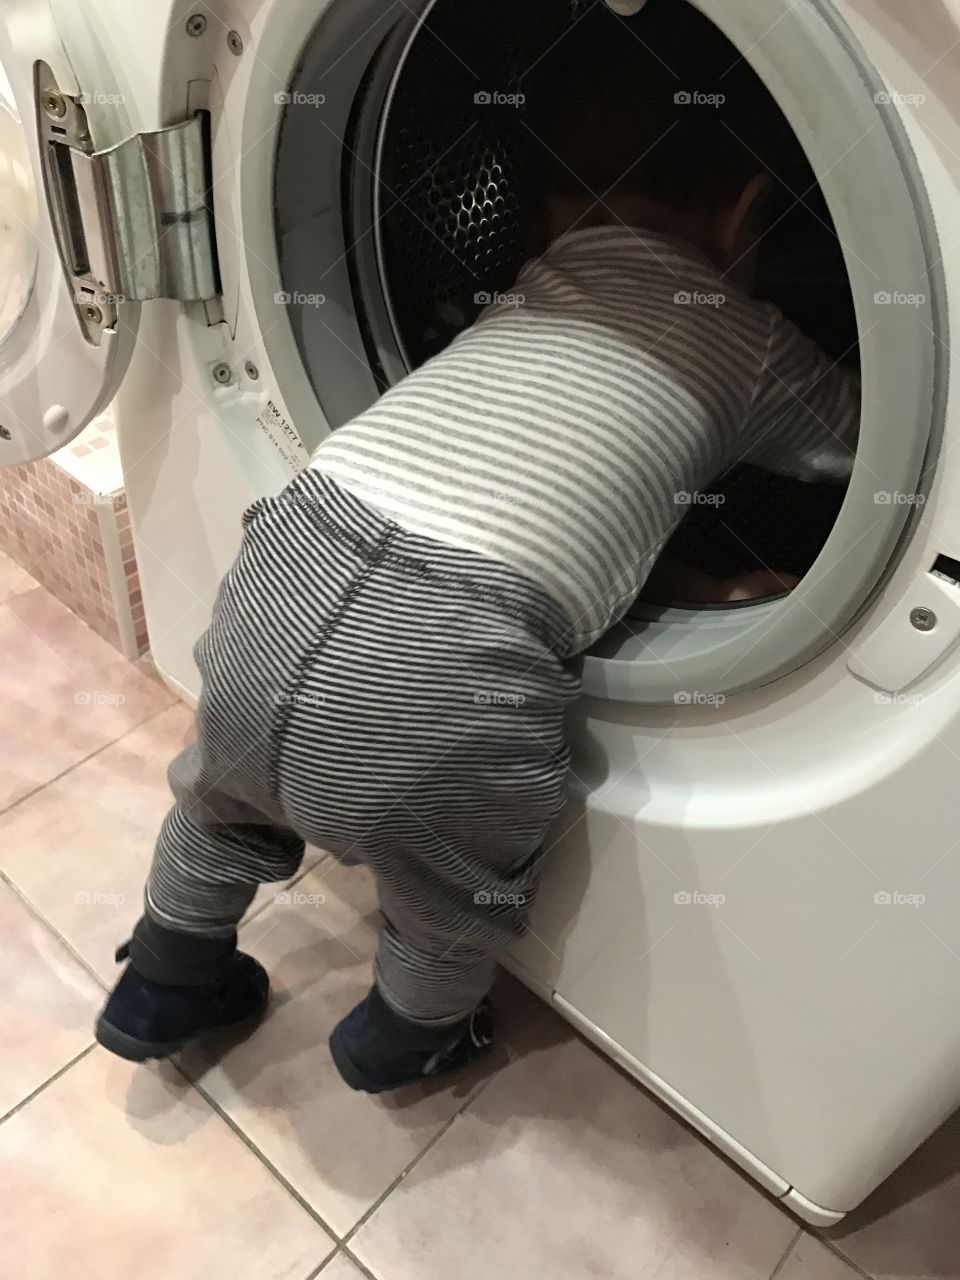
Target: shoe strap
x=122, y=953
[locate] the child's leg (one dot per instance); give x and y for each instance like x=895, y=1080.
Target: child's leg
x=428, y=1009
x=426, y=1013
x=212, y=853
x=185, y=974
x=433, y=981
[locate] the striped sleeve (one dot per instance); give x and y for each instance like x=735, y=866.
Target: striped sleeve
x=805, y=416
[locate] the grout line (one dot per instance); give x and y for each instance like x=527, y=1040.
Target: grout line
x=49, y=1081
x=264, y=1160
x=51, y=928
x=77, y=764
x=68, y=946
x=20, y=894
x=340, y=1240
x=312, y=1275
x=364, y=1271
x=838, y=1253
x=778, y=1269
x=408, y=1169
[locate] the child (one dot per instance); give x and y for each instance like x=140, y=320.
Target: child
x=386, y=674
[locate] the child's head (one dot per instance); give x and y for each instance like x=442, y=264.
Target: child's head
x=661, y=119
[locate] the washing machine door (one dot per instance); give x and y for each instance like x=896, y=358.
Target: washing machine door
x=94, y=220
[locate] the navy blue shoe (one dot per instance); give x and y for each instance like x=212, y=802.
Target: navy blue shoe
x=374, y=1049
x=143, y=1019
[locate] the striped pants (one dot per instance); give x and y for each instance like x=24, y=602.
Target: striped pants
x=393, y=700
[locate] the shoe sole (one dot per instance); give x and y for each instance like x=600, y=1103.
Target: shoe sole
x=134, y=1050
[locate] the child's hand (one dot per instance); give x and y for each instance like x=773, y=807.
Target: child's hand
x=672, y=580
x=754, y=586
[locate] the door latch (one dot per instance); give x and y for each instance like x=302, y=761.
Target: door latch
x=133, y=222
x=919, y=631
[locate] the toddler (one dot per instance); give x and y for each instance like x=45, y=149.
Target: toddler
x=389, y=662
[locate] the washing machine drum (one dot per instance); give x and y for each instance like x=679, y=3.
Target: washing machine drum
x=455, y=189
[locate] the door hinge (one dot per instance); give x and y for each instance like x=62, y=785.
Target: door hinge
x=133, y=222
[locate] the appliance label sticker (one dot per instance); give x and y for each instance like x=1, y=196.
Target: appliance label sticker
x=283, y=437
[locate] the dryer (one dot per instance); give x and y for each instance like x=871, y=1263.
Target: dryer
x=238, y=220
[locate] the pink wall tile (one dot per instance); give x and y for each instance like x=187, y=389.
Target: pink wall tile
x=51, y=527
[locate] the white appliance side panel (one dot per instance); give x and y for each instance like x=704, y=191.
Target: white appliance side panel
x=769, y=1181
x=796, y=981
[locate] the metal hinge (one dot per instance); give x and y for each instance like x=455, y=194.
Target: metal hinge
x=133, y=222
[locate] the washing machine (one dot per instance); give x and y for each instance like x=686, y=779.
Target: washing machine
x=237, y=221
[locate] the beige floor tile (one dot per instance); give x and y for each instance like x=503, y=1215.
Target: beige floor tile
x=47, y=1003
x=340, y=1149
x=909, y=1229
x=116, y=1171
x=14, y=581
x=64, y=692
x=79, y=849
x=341, y=1267
x=810, y=1260
x=563, y=1167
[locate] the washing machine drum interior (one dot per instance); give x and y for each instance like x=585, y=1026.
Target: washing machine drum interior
x=455, y=179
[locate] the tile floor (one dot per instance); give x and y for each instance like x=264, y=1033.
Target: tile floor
x=256, y=1162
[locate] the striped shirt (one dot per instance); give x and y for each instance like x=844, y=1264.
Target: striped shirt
x=566, y=431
